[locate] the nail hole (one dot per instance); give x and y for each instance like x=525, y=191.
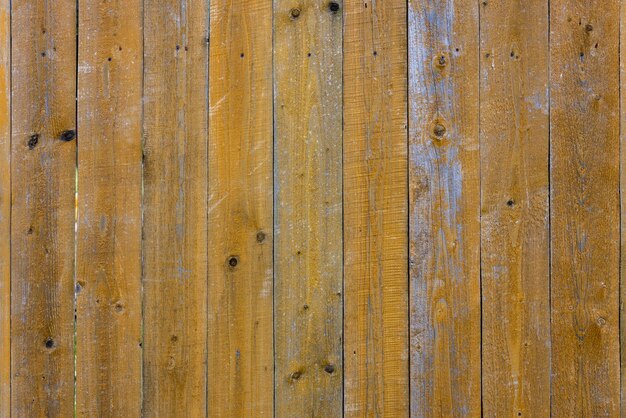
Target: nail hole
x=49, y=343
x=510, y=203
x=588, y=27
x=241, y=55
x=296, y=375
x=333, y=6
x=329, y=368
x=233, y=261
x=260, y=236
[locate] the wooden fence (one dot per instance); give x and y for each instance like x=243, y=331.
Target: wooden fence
x=310, y=208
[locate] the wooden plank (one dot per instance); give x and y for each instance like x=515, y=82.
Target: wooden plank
x=622, y=287
x=174, y=208
x=514, y=141
x=5, y=209
x=308, y=221
x=444, y=208
x=108, y=282
x=584, y=119
x=375, y=206
x=240, y=210
x=43, y=164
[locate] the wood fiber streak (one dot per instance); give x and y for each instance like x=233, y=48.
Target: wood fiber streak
x=444, y=208
x=585, y=211
x=240, y=210
x=42, y=207
x=5, y=209
x=108, y=276
x=622, y=288
x=175, y=97
x=308, y=223
x=376, y=214
x=514, y=141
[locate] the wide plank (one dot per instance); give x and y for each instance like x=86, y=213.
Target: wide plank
x=108, y=265
x=375, y=209
x=585, y=207
x=514, y=142
x=175, y=95
x=444, y=226
x=308, y=214
x=240, y=210
x=43, y=170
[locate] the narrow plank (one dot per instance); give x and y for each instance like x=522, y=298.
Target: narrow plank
x=108, y=282
x=174, y=207
x=308, y=221
x=5, y=209
x=240, y=210
x=514, y=142
x=444, y=208
x=375, y=207
x=584, y=119
x=42, y=215
x=622, y=287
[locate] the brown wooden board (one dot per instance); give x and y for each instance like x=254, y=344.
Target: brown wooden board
x=584, y=207
x=308, y=208
x=240, y=213
x=43, y=166
x=444, y=227
x=108, y=264
x=375, y=208
x=514, y=141
x=175, y=97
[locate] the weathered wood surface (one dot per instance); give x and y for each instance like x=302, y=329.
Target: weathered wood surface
x=444, y=227
x=43, y=165
x=375, y=206
x=337, y=208
x=108, y=250
x=584, y=207
x=175, y=94
x=241, y=356
x=514, y=141
x=308, y=208
x=5, y=209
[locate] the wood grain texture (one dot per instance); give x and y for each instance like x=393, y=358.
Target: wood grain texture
x=444, y=208
x=514, y=142
x=174, y=207
x=584, y=75
x=42, y=214
x=240, y=210
x=108, y=282
x=5, y=209
x=622, y=287
x=308, y=222
x=375, y=207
